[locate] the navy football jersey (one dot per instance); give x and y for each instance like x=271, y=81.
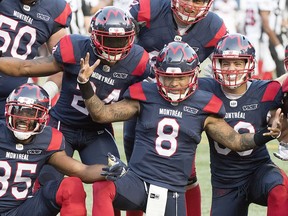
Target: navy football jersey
x=160, y=28
x=110, y=82
x=247, y=114
x=167, y=135
x=20, y=164
x=23, y=30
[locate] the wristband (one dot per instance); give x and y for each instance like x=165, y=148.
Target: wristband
x=86, y=90
x=260, y=140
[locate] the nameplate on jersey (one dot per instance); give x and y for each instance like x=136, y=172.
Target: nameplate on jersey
x=157, y=199
x=233, y=103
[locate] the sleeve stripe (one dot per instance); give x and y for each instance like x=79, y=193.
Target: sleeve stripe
x=136, y=92
x=146, y=15
x=214, y=105
x=63, y=17
x=271, y=91
x=56, y=140
x=67, y=51
x=222, y=31
x=141, y=67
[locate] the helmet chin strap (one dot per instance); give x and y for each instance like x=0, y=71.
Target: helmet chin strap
x=22, y=135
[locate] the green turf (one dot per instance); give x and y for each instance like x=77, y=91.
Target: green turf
x=203, y=174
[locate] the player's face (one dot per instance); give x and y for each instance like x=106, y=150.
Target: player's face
x=232, y=70
x=190, y=9
x=176, y=85
x=24, y=120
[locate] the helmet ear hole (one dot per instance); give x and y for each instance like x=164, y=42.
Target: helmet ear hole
x=26, y=110
x=112, y=33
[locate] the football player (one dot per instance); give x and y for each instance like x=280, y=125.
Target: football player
x=122, y=64
x=161, y=22
x=172, y=114
x=25, y=26
x=242, y=178
x=26, y=144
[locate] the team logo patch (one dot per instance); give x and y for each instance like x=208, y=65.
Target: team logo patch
x=120, y=75
x=250, y=107
x=26, y=7
x=19, y=147
x=43, y=17
x=190, y=109
x=106, y=68
x=233, y=103
x=34, y=151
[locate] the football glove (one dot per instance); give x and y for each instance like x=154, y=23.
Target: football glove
x=115, y=169
x=282, y=153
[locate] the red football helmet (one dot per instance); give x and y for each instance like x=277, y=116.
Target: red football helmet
x=176, y=60
x=286, y=58
x=112, y=33
x=190, y=12
x=233, y=46
x=26, y=110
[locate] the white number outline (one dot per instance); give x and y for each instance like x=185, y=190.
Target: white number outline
x=237, y=127
x=21, y=167
x=167, y=137
x=16, y=42
x=112, y=97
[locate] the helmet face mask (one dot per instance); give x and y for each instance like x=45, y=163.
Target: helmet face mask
x=190, y=12
x=112, y=34
x=176, y=71
x=233, y=61
x=26, y=111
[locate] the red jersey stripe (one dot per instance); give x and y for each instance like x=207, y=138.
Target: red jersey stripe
x=56, y=140
x=271, y=91
x=141, y=67
x=214, y=105
x=62, y=18
x=144, y=13
x=67, y=51
x=136, y=92
x=222, y=31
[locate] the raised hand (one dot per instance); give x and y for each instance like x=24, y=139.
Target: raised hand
x=86, y=70
x=276, y=125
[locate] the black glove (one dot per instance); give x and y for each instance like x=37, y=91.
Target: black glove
x=115, y=169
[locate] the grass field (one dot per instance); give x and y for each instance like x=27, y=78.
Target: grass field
x=203, y=173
